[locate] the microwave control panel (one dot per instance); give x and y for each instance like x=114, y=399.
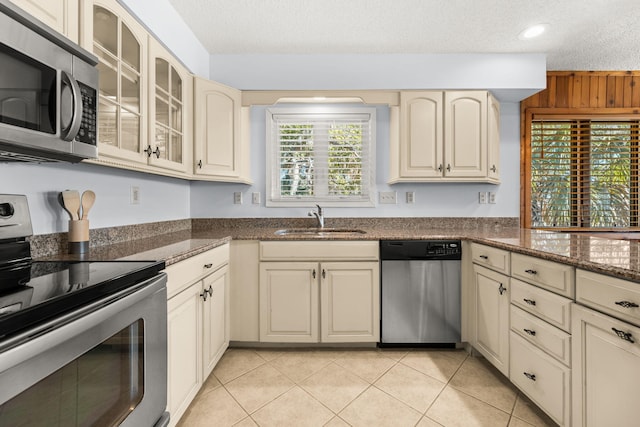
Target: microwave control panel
x=87, y=133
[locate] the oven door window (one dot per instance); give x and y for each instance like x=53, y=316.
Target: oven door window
x=27, y=92
x=99, y=388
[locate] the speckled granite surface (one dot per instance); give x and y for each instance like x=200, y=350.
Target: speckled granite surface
x=177, y=240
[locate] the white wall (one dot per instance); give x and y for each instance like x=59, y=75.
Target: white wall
x=160, y=198
x=433, y=200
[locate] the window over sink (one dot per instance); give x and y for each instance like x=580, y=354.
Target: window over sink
x=320, y=155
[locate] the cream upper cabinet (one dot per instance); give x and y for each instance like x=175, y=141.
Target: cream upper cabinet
x=493, y=139
x=606, y=370
x=120, y=43
x=61, y=15
x=220, y=146
x=465, y=134
x=490, y=333
x=170, y=115
x=421, y=134
x=446, y=136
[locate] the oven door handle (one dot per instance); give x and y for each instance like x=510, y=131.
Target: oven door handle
x=70, y=131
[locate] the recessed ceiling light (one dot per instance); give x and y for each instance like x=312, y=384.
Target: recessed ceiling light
x=533, y=31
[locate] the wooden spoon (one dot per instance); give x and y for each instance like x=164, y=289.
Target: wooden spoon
x=71, y=199
x=88, y=198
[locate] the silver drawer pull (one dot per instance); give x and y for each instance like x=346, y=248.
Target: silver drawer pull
x=532, y=377
x=484, y=257
x=529, y=271
x=530, y=332
x=529, y=301
x=627, y=304
x=624, y=335
x=208, y=265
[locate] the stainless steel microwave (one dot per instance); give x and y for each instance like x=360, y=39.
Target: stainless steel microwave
x=48, y=92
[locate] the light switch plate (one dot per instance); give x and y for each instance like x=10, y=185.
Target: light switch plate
x=411, y=197
x=237, y=198
x=255, y=198
x=388, y=197
x=492, y=197
x=482, y=197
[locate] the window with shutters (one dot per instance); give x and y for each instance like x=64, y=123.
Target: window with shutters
x=584, y=172
x=320, y=156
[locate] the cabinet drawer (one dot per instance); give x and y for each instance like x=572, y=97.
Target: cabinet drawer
x=493, y=258
x=183, y=273
x=617, y=297
x=319, y=251
x=544, y=304
x=552, y=340
x=558, y=278
x=546, y=381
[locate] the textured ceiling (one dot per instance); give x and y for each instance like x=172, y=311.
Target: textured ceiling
x=582, y=34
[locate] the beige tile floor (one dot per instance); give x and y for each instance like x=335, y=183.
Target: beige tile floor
x=371, y=387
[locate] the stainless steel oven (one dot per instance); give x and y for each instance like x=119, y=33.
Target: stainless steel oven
x=81, y=343
x=48, y=92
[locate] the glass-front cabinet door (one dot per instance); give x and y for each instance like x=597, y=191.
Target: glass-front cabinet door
x=170, y=123
x=120, y=43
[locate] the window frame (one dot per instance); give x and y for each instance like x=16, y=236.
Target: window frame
x=570, y=114
x=272, y=158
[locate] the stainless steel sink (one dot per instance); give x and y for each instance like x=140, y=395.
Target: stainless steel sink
x=319, y=232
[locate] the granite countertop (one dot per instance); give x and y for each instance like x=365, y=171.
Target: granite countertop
x=620, y=258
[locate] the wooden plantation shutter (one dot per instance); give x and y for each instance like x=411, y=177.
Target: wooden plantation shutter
x=584, y=172
x=322, y=157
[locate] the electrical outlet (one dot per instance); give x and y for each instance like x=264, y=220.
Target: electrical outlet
x=492, y=197
x=482, y=197
x=411, y=197
x=135, y=195
x=237, y=198
x=388, y=197
x=255, y=198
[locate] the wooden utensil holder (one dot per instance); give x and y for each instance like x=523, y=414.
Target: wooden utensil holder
x=78, y=236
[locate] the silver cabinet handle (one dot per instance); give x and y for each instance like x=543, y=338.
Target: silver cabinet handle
x=484, y=257
x=529, y=301
x=529, y=271
x=532, y=377
x=324, y=275
x=530, y=332
x=209, y=265
x=313, y=274
x=448, y=167
x=200, y=164
x=440, y=168
x=501, y=289
x=493, y=168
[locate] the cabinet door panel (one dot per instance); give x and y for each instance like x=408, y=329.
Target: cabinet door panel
x=492, y=317
x=217, y=129
x=465, y=135
x=350, y=302
x=421, y=134
x=606, y=370
x=215, y=319
x=183, y=338
x=289, y=302
x=61, y=15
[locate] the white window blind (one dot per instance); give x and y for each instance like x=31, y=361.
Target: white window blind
x=322, y=157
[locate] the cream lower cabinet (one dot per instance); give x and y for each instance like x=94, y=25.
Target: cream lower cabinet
x=490, y=331
x=319, y=302
x=319, y=292
x=606, y=370
x=197, y=325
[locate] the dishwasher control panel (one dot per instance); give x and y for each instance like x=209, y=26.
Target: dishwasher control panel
x=420, y=249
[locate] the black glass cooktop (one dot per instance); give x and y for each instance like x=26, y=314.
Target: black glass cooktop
x=39, y=290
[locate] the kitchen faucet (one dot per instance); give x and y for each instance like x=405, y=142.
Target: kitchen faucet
x=319, y=216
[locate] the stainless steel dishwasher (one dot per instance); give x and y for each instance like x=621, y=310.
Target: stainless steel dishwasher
x=420, y=288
